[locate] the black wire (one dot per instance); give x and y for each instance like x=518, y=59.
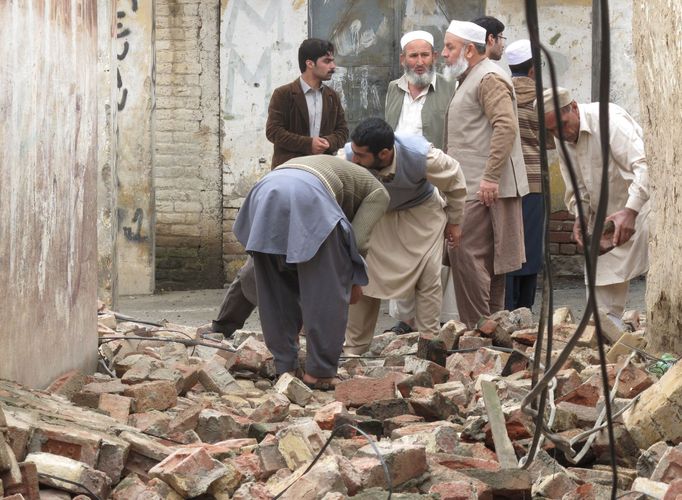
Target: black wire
x=387, y=472
x=123, y=317
x=74, y=483
x=190, y=342
x=547, y=284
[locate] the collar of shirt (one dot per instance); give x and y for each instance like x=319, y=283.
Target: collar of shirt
x=305, y=87
x=403, y=85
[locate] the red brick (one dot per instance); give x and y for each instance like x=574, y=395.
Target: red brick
x=675, y=490
x=670, y=466
x=456, y=462
x=560, y=237
x=189, y=472
x=360, y=391
x=326, y=416
x=116, y=406
x=568, y=249
x=158, y=395
x=68, y=384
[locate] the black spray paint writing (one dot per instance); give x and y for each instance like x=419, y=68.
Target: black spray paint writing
x=121, y=34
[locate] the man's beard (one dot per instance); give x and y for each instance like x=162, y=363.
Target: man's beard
x=419, y=81
x=457, y=69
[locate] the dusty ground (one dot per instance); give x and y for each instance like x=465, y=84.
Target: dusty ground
x=197, y=307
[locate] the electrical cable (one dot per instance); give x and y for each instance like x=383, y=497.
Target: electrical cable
x=387, y=472
x=188, y=342
x=590, y=245
x=74, y=483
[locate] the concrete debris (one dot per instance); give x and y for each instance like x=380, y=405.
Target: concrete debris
x=170, y=421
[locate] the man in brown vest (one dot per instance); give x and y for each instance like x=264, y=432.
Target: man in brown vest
x=483, y=135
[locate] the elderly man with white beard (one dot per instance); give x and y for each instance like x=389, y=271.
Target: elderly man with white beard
x=483, y=135
x=415, y=105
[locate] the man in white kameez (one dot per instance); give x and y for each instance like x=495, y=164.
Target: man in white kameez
x=628, y=205
x=406, y=246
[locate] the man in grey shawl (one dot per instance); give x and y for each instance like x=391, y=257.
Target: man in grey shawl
x=306, y=224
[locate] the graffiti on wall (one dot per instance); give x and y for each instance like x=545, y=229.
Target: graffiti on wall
x=122, y=33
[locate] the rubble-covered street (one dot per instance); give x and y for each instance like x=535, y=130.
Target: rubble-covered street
x=175, y=420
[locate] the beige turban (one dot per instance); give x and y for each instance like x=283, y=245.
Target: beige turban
x=564, y=98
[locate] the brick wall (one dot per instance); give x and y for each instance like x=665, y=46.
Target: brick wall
x=566, y=259
x=187, y=168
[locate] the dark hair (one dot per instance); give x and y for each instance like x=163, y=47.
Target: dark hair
x=374, y=133
x=492, y=25
x=523, y=67
x=312, y=49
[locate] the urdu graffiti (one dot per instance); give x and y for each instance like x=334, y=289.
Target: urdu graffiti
x=122, y=33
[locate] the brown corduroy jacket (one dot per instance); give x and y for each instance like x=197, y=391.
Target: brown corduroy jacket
x=288, y=126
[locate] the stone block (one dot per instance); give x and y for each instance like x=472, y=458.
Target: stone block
x=415, y=365
x=300, y=443
x=674, y=491
x=186, y=419
x=405, y=462
x=326, y=416
x=189, y=472
x=650, y=458
x=214, y=426
x=657, y=416
x=391, y=424
x=504, y=483
x=112, y=458
x=359, y=391
x=271, y=459
x=553, y=486
x=439, y=439
x=431, y=404
x=158, y=395
x=72, y=470
x=77, y=444
x=67, y=384
x=325, y=477
x=670, y=466
x=216, y=378
x=22, y=481
x=294, y=389
x=386, y=408
x=117, y=407
x=455, y=391
x=421, y=379
x=274, y=408
x=652, y=489
x=624, y=345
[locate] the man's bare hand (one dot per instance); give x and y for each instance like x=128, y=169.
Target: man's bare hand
x=320, y=145
x=624, y=222
x=453, y=233
x=355, y=294
x=577, y=236
x=488, y=192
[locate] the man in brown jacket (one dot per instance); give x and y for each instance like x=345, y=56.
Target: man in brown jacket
x=304, y=118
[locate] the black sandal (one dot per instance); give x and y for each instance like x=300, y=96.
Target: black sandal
x=400, y=328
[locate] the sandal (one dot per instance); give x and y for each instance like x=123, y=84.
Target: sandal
x=400, y=328
x=323, y=384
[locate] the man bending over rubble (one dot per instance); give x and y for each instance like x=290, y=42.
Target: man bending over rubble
x=306, y=224
x=406, y=247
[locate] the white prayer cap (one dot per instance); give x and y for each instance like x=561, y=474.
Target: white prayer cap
x=471, y=32
x=548, y=99
x=416, y=35
x=518, y=52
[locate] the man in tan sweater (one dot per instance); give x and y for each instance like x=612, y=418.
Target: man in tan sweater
x=483, y=135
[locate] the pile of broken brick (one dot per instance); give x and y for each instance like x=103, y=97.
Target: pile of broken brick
x=166, y=420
